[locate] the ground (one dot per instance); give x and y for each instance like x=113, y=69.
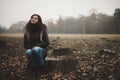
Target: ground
x=70, y=57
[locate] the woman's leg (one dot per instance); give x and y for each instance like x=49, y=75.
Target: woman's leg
x=38, y=54
x=31, y=59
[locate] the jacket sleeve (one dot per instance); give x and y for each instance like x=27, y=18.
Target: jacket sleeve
x=45, y=40
x=26, y=44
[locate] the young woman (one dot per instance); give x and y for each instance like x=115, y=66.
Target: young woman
x=36, y=41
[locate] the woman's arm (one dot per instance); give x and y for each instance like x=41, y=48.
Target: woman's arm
x=45, y=40
x=26, y=44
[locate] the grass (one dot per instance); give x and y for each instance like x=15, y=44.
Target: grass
x=79, y=57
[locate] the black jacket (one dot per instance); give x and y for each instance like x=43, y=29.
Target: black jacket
x=37, y=39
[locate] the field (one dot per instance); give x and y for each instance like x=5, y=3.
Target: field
x=70, y=57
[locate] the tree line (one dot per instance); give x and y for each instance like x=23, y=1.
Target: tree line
x=95, y=23
x=16, y=27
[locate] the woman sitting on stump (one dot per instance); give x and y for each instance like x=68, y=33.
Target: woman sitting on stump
x=36, y=42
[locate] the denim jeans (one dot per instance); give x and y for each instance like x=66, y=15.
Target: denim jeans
x=35, y=57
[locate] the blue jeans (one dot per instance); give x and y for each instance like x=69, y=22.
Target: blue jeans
x=35, y=57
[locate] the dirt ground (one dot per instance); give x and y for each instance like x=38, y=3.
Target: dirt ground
x=70, y=57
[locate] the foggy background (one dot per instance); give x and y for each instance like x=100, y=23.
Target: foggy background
x=62, y=16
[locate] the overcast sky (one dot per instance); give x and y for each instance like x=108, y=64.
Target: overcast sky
x=16, y=10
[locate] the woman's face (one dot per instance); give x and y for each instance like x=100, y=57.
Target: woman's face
x=34, y=19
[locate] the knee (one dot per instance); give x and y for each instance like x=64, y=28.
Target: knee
x=29, y=51
x=37, y=49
